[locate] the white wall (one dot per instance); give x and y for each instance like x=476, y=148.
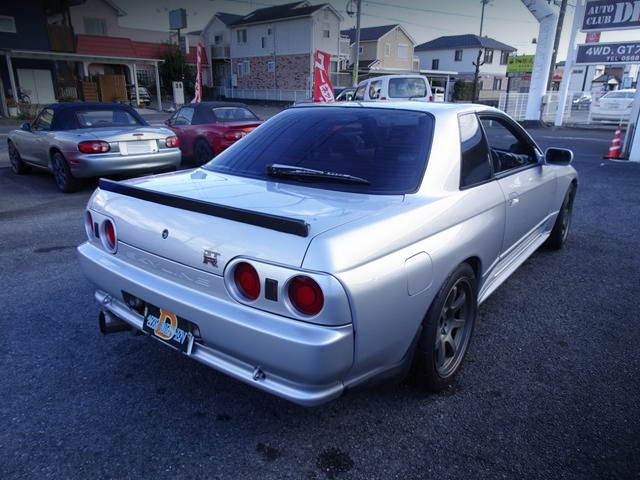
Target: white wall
x=469, y=56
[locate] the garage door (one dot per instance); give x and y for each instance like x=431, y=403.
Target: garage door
x=38, y=84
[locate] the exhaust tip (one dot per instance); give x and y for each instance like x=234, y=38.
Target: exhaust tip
x=109, y=323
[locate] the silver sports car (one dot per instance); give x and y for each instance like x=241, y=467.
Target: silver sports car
x=335, y=245
x=79, y=140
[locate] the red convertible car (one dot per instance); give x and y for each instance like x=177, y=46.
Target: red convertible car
x=207, y=128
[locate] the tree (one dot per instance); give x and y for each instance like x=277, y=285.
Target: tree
x=174, y=68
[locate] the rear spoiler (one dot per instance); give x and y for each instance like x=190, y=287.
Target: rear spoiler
x=273, y=222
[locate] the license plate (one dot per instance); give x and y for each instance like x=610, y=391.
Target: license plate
x=168, y=327
x=139, y=146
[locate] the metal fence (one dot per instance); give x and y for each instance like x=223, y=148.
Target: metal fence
x=576, y=109
x=266, y=94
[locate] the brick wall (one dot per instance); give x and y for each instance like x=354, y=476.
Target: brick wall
x=291, y=72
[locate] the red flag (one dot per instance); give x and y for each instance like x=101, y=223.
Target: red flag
x=322, y=88
x=198, y=93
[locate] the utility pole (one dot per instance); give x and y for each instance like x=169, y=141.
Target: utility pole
x=356, y=65
x=556, y=43
x=477, y=63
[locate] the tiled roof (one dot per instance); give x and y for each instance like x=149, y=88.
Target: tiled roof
x=368, y=34
x=118, y=47
x=279, y=12
x=463, y=41
x=228, y=18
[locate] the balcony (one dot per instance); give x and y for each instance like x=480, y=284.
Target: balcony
x=61, y=38
x=220, y=52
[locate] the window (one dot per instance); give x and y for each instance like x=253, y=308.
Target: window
x=271, y=66
x=504, y=57
x=387, y=49
x=403, y=51
x=474, y=156
x=407, y=87
x=360, y=50
x=497, y=84
x=143, y=77
x=218, y=39
x=458, y=56
x=374, y=89
x=184, y=116
x=435, y=64
x=95, y=26
x=488, y=55
x=263, y=42
x=242, y=35
x=269, y=31
x=44, y=120
x=386, y=147
x=509, y=149
x=7, y=24
x=244, y=68
x=326, y=33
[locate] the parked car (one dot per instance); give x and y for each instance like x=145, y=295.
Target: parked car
x=143, y=95
x=614, y=106
x=394, y=87
x=206, y=129
x=79, y=140
x=346, y=94
x=338, y=244
x=581, y=101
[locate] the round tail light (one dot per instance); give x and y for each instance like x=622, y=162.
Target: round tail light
x=247, y=280
x=108, y=236
x=306, y=295
x=88, y=224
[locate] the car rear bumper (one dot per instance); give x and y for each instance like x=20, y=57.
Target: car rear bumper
x=298, y=361
x=84, y=166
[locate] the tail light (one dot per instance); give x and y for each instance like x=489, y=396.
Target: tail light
x=94, y=146
x=88, y=224
x=247, y=280
x=172, y=142
x=108, y=236
x=233, y=135
x=306, y=295
x=431, y=98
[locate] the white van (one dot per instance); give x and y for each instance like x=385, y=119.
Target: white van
x=394, y=87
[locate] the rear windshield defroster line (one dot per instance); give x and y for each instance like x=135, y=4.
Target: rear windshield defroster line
x=273, y=222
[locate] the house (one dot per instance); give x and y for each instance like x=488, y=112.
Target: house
x=460, y=53
x=272, y=50
x=383, y=49
x=217, y=40
x=75, y=49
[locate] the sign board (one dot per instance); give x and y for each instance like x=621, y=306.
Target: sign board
x=178, y=19
x=611, y=15
x=178, y=93
x=607, y=53
x=520, y=64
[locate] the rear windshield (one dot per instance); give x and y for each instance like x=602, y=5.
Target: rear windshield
x=619, y=95
x=386, y=147
x=105, y=118
x=232, y=114
x=407, y=87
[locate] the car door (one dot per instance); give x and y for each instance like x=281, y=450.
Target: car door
x=34, y=144
x=527, y=183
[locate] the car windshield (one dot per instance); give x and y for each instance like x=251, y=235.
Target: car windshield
x=367, y=150
x=105, y=118
x=232, y=114
x=619, y=95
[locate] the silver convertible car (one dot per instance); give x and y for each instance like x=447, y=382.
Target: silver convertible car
x=80, y=139
x=335, y=245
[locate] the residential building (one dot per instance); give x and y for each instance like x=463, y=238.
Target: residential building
x=383, y=49
x=217, y=40
x=459, y=53
x=272, y=50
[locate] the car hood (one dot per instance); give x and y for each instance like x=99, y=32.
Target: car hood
x=164, y=227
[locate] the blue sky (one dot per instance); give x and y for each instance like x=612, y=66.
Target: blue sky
x=507, y=21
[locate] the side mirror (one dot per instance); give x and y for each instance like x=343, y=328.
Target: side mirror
x=26, y=127
x=558, y=156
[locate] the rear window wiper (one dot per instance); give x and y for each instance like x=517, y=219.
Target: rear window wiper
x=291, y=171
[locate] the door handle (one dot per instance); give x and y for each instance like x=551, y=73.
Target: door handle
x=514, y=199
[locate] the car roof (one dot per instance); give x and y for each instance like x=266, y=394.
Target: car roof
x=85, y=105
x=436, y=108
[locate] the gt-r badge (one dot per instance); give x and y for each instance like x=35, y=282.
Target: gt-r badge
x=210, y=257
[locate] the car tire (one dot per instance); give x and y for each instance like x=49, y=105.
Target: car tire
x=202, y=152
x=17, y=165
x=446, y=331
x=560, y=231
x=65, y=181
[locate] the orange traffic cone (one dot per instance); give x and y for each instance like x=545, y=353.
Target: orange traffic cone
x=615, y=149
